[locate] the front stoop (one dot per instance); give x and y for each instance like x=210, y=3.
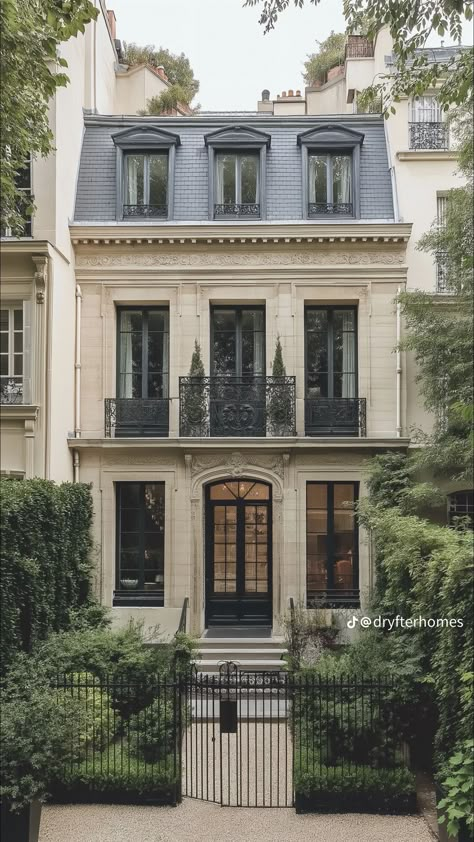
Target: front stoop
x=250, y=653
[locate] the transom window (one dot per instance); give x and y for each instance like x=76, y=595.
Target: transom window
x=461, y=505
x=332, y=571
x=146, y=185
x=140, y=543
x=237, y=184
x=143, y=347
x=11, y=354
x=330, y=184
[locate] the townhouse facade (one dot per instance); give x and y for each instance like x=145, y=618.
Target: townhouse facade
x=231, y=486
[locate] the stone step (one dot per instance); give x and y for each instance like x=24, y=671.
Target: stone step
x=258, y=664
x=240, y=643
x=236, y=654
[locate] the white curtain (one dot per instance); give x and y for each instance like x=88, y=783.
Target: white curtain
x=126, y=365
x=220, y=180
x=317, y=179
x=344, y=179
x=133, y=164
x=348, y=355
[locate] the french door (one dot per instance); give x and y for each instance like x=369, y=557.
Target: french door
x=238, y=553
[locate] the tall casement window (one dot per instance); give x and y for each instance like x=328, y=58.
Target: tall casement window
x=23, y=202
x=11, y=354
x=143, y=347
x=146, y=185
x=332, y=568
x=237, y=167
x=330, y=184
x=461, y=506
x=140, y=543
x=331, y=352
x=238, y=341
x=237, y=184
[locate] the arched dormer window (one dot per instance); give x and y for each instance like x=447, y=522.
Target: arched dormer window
x=237, y=169
x=331, y=165
x=461, y=505
x=145, y=173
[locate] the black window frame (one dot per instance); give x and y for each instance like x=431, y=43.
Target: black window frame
x=144, y=310
x=333, y=599
x=336, y=140
x=144, y=139
x=330, y=154
x=330, y=309
x=236, y=140
x=455, y=516
x=140, y=596
x=147, y=154
x=239, y=309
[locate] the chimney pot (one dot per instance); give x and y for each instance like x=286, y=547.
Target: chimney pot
x=298, y=93
x=112, y=23
x=161, y=72
x=283, y=93
x=290, y=92
x=278, y=96
x=265, y=95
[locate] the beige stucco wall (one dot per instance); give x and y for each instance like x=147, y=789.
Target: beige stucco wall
x=134, y=88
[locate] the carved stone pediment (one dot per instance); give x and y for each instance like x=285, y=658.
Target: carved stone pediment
x=237, y=464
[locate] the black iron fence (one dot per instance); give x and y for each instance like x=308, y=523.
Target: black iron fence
x=237, y=406
x=272, y=739
x=335, y=416
x=136, y=417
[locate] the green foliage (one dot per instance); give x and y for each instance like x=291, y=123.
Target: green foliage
x=45, y=559
x=165, y=103
x=197, y=366
x=152, y=732
x=278, y=367
x=330, y=54
x=279, y=406
x=369, y=101
x=31, y=70
x=458, y=803
x=410, y=26
x=381, y=785
x=391, y=482
x=92, y=727
x=35, y=737
x=196, y=398
x=307, y=635
x=177, y=68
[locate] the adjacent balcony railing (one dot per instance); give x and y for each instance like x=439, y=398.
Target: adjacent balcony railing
x=136, y=417
x=330, y=209
x=11, y=390
x=233, y=210
x=145, y=211
x=237, y=406
x=428, y=135
x=335, y=417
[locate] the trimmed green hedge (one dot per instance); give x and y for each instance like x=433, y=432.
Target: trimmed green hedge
x=45, y=559
x=359, y=789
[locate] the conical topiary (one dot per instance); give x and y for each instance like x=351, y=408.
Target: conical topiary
x=195, y=410
x=280, y=403
x=196, y=368
x=278, y=367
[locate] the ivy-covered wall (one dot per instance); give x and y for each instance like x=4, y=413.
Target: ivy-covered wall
x=45, y=559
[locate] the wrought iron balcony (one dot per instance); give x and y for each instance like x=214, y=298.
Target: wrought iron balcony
x=335, y=417
x=429, y=135
x=442, y=272
x=233, y=210
x=336, y=598
x=145, y=211
x=237, y=406
x=11, y=390
x=136, y=417
x=330, y=209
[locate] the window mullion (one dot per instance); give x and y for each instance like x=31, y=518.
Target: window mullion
x=146, y=179
x=144, y=354
x=141, y=539
x=330, y=314
x=238, y=175
x=11, y=342
x=330, y=191
x=330, y=541
x=238, y=343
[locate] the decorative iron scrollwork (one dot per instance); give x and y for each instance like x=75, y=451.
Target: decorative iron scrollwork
x=136, y=417
x=145, y=211
x=335, y=417
x=429, y=135
x=11, y=390
x=330, y=208
x=233, y=209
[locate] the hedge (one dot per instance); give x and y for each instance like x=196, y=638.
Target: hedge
x=360, y=789
x=45, y=559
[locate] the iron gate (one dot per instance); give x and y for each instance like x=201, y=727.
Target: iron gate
x=237, y=748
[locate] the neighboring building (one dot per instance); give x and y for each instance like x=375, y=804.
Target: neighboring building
x=235, y=490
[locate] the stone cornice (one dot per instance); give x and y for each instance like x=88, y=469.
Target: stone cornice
x=428, y=155
x=286, y=444
x=18, y=411
x=240, y=234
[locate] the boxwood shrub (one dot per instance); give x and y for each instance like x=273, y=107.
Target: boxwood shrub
x=356, y=789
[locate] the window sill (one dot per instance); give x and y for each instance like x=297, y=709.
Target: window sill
x=333, y=599
x=137, y=599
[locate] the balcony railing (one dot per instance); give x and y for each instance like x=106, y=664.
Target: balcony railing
x=11, y=390
x=145, y=211
x=233, y=210
x=237, y=406
x=136, y=417
x=429, y=135
x=330, y=209
x=442, y=272
x=337, y=598
x=335, y=417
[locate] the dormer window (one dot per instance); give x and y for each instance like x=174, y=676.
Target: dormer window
x=330, y=185
x=237, y=165
x=146, y=185
x=331, y=165
x=145, y=173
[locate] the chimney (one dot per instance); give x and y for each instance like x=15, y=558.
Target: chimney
x=112, y=23
x=161, y=73
x=265, y=95
x=265, y=104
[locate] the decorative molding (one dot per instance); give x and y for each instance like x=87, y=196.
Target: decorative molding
x=237, y=464
x=40, y=276
x=324, y=258
x=119, y=459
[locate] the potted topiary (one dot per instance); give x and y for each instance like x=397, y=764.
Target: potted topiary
x=35, y=738
x=195, y=409
x=280, y=403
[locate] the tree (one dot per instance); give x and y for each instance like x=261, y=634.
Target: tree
x=177, y=68
x=411, y=24
x=440, y=334
x=330, y=54
x=30, y=73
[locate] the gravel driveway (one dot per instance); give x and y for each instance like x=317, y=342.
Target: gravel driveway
x=197, y=821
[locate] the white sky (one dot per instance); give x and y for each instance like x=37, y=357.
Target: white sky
x=225, y=44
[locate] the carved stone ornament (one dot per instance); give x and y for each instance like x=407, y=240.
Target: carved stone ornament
x=236, y=464
x=40, y=277
x=303, y=258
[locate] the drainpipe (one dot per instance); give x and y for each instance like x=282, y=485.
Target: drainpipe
x=399, y=365
x=393, y=177
x=77, y=383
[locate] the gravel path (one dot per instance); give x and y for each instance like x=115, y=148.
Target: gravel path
x=197, y=821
